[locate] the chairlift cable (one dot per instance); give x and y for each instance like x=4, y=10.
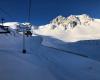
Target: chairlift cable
x=6, y=13
x=29, y=11
x=28, y=19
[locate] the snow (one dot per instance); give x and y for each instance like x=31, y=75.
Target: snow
x=52, y=61
x=14, y=66
x=42, y=63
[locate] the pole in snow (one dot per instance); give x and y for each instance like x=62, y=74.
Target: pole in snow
x=24, y=49
x=2, y=21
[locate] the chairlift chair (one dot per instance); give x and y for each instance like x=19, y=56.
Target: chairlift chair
x=28, y=33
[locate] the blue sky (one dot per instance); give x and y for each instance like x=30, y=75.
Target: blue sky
x=43, y=11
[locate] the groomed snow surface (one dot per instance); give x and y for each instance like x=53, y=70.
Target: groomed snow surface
x=42, y=63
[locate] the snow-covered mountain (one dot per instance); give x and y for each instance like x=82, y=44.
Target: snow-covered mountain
x=72, y=20
x=71, y=29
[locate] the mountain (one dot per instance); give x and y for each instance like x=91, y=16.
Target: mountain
x=73, y=28
x=72, y=21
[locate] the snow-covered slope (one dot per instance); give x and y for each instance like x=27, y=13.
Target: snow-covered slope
x=42, y=63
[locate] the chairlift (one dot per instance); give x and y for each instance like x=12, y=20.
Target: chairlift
x=4, y=29
x=28, y=33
